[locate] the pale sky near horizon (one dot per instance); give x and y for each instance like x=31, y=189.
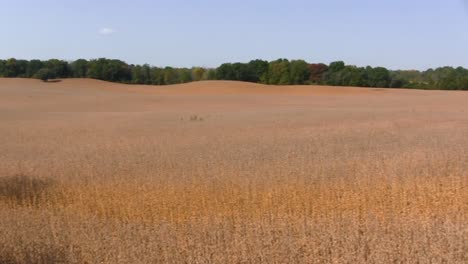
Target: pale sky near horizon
x=398, y=34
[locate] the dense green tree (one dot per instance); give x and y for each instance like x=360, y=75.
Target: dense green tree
x=378, y=77
x=157, y=76
x=411, y=79
x=185, y=75
x=95, y=69
x=2, y=68
x=171, y=76
x=21, y=68
x=258, y=71
x=141, y=74
x=253, y=71
x=278, y=72
x=336, y=66
x=117, y=71
x=226, y=72
x=397, y=83
x=145, y=74
x=79, y=68
x=33, y=67
x=109, y=70
x=299, y=72
x=11, y=68
x=44, y=74
x=136, y=74
x=210, y=74
x=242, y=72
x=353, y=76
x=334, y=75
x=57, y=68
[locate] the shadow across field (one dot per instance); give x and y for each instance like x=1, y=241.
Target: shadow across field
x=37, y=253
x=24, y=190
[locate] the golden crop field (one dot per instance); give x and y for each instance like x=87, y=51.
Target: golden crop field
x=229, y=172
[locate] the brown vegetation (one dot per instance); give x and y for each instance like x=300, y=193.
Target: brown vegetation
x=92, y=172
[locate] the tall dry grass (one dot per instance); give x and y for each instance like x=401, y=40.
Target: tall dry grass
x=335, y=180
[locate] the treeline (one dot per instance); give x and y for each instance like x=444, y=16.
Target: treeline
x=278, y=72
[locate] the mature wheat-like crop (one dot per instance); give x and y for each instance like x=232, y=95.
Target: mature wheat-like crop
x=101, y=173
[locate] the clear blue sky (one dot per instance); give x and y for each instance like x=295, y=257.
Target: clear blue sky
x=408, y=34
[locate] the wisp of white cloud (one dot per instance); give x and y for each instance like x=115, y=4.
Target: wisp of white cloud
x=106, y=31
